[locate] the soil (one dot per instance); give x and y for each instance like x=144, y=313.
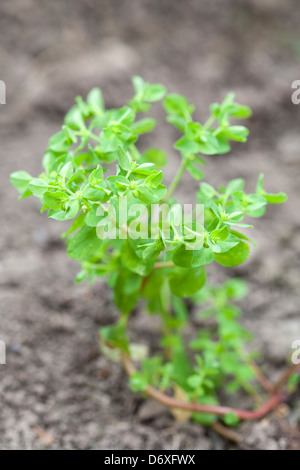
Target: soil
x=57, y=391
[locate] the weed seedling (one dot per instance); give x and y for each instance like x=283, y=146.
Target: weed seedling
x=128, y=228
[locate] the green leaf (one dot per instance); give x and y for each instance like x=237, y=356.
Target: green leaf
x=95, y=100
x=187, y=147
x=96, y=194
x=155, y=156
x=236, y=288
x=194, y=381
x=238, y=133
x=271, y=198
x=219, y=235
x=112, y=137
x=78, y=223
x=81, y=276
x=38, y=187
x=194, y=171
x=278, y=198
x=146, y=93
x=207, y=190
x=156, y=291
x=235, y=185
x=260, y=184
x=133, y=262
x=70, y=210
x=240, y=111
x=127, y=290
x=192, y=258
x=293, y=383
x=181, y=361
x=115, y=335
x=237, y=224
x=60, y=142
x=208, y=144
x=241, y=236
x=154, y=92
x=177, y=121
x=20, y=180
x=138, y=383
x=178, y=105
x=149, y=195
x=186, y=282
x=229, y=243
x=143, y=126
x=125, y=159
x=202, y=257
x=180, y=310
x=183, y=257
x=237, y=255
x=138, y=85
x=27, y=193
x=154, y=180
x=144, y=169
x=96, y=176
x=93, y=218
x=206, y=419
x=222, y=145
x=78, y=177
x=255, y=203
x=113, y=180
x=74, y=118
x=67, y=171
x=231, y=419
x=85, y=244
x=55, y=200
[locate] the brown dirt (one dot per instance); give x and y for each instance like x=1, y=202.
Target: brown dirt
x=56, y=390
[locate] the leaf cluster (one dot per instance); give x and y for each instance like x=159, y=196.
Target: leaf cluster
x=92, y=166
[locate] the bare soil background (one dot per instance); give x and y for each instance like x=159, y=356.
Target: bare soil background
x=57, y=391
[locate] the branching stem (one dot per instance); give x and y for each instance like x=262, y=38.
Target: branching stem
x=285, y=376
x=164, y=264
x=250, y=415
x=176, y=179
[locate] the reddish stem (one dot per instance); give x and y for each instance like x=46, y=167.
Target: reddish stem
x=261, y=378
x=226, y=432
x=285, y=376
x=171, y=402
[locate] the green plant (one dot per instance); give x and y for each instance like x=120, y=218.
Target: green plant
x=161, y=261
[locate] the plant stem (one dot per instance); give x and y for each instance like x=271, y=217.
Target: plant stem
x=93, y=136
x=261, y=378
x=208, y=123
x=227, y=433
x=171, y=402
x=285, y=376
x=164, y=264
x=176, y=179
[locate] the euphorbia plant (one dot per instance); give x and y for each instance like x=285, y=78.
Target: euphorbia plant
x=129, y=228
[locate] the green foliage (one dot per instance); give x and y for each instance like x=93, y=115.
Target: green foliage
x=114, y=235
x=115, y=335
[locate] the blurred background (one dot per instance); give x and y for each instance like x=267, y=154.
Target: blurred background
x=56, y=390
